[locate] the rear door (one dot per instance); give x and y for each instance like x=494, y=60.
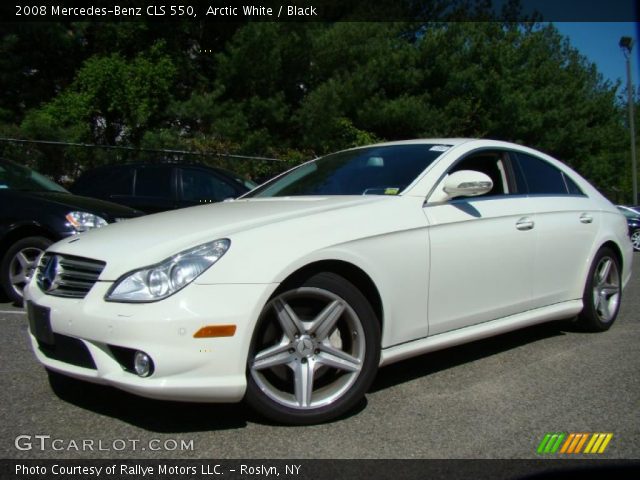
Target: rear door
x=155, y=188
x=566, y=225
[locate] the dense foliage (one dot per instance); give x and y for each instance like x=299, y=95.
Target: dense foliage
x=294, y=90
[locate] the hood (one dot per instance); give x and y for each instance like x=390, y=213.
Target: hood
x=70, y=201
x=152, y=238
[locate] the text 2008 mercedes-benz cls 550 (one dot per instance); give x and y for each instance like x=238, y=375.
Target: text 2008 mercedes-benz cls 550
x=292, y=296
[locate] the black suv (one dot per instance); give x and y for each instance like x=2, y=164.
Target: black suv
x=34, y=213
x=158, y=187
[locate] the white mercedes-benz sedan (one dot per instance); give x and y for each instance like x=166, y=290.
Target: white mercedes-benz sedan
x=292, y=296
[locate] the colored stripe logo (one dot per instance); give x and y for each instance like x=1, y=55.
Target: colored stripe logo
x=573, y=443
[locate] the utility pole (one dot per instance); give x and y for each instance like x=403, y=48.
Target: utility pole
x=626, y=44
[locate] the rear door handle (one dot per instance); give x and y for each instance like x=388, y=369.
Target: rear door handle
x=525, y=224
x=586, y=218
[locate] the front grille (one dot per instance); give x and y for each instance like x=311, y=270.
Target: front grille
x=66, y=275
x=68, y=350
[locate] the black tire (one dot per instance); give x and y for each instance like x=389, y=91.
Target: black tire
x=602, y=295
x=635, y=240
x=26, y=248
x=350, y=328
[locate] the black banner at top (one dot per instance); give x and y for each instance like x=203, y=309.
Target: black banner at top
x=319, y=10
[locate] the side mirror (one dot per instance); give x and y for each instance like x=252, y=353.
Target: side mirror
x=463, y=183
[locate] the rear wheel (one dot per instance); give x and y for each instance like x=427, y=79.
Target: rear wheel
x=602, y=293
x=314, y=353
x=635, y=240
x=19, y=264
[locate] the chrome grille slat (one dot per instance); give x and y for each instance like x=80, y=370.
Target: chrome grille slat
x=78, y=274
x=76, y=284
x=80, y=265
x=69, y=276
x=66, y=294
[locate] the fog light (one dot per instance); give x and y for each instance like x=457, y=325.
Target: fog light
x=142, y=364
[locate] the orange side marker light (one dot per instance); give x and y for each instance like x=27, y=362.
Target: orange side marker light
x=211, y=331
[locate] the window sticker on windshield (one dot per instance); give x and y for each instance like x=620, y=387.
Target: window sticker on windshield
x=440, y=148
x=391, y=191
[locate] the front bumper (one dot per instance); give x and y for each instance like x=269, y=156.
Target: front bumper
x=186, y=368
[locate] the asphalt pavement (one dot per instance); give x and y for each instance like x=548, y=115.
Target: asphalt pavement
x=495, y=398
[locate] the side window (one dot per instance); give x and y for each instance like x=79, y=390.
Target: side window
x=154, y=182
x=542, y=178
x=3, y=177
x=493, y=164
x=571, y=185
x=202, y=185
x=105, y=182
x=117, y=182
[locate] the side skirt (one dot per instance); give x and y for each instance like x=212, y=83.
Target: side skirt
x=477, y=332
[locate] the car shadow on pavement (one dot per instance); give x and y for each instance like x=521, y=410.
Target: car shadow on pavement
x=441, y=360
x=181, y=417
x=162, y=416
x=154, y=415
x=6, y=301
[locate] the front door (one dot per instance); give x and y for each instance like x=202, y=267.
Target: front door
x=481, y=249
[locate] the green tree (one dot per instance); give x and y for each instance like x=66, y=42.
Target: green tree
x=518, y=82
x=294, y=90
x=111, y=101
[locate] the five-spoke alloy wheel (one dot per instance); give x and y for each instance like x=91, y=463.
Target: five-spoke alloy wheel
x=19, y=264
x=635, y=240
x=603, y=292
x=314, y=352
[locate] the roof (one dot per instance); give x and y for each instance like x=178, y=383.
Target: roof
x=418, y=141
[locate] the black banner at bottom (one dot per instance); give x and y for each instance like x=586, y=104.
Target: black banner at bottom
x=317, y=469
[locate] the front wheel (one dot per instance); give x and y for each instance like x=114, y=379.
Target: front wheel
x=602, y=293
x=314, y=353
x=19, y=264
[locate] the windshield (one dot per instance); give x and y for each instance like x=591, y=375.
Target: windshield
x=384, y=170
x=17, y=177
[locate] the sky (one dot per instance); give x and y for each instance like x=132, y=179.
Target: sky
x=598, y=41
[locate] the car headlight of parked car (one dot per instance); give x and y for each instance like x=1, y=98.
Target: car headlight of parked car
x=159, y=281
x=83, y=221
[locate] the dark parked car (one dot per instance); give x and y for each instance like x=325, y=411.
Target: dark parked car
x=158, y=187
x=34, y=213
x=633, y=220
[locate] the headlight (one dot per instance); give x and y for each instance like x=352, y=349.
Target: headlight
x=169, y=276
x=83, y=221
